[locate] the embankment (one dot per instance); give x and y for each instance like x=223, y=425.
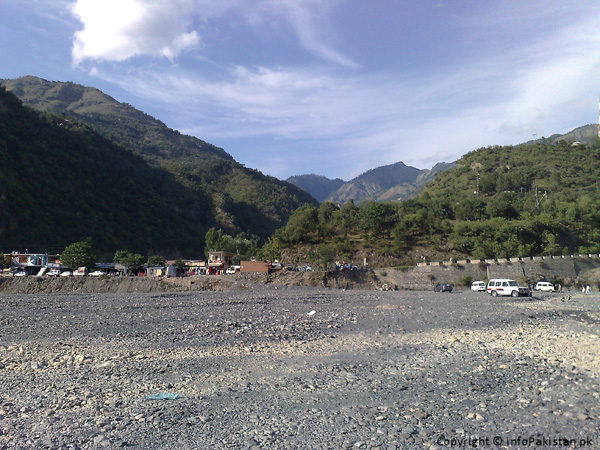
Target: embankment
x=568, y=272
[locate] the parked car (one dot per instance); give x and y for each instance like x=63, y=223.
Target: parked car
x=97, y=273
x=505, y=286
x=230, y=270
x=442, y=287
x=53, y=273
x=82, y=271
x=478, y=286
x=20, y=274
x=543, y=286
x=349, y=266
x=66, y=273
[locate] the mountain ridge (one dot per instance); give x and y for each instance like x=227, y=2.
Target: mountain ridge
x=386, y=183
x=391, y=182
x=60, y=182
x=241, y=199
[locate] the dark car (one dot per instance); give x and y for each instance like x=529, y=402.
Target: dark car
x=443, y=287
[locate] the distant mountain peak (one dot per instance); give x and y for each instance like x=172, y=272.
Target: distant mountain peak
x=395, y=181
x=318, y=186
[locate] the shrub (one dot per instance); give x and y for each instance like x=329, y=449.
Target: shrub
x=466, y=280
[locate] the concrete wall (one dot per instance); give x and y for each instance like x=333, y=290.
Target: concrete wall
x=564, y=270
x=254, y=267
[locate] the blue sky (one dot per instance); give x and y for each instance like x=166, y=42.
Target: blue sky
x=332, y=87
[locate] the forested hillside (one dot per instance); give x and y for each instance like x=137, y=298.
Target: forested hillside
x=525, y=200
x=239, y=199
x=60, y=182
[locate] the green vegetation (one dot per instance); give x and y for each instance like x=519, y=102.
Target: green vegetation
x=60, y=180
x=217, y=191
x=466, y=280
x=244, y=245
x=156, y=261
x=133, y=261
x=79, y=254
x=513, y=201
x=105, y=170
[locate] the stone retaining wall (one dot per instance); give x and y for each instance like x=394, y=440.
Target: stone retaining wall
x=563, y=270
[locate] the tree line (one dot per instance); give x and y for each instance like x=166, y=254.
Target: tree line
x=498, y=202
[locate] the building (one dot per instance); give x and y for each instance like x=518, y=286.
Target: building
x=30, y=263
x=218, y=262
x=196, y=266
x=254, y=267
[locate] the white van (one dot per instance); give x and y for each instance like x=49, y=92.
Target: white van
x=505, y=286
x=82, y=271
x=544, y=286
x=478, y=286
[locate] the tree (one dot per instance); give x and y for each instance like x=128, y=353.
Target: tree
x=346, y=217
x=412, y=223
x=377, y=218
x=272, y=249
x=133, y=261
x=503, y=205
x=79, y=254
x=179, y=267
x=326, y=254
x=156, y=261
x=301, y=225
x=326, y=211
x=214, y=240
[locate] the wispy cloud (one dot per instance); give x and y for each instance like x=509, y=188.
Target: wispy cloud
x=116, y=30
x=371, y=117
x=311, y=21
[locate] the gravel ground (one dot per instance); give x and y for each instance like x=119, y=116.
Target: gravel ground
x=298, y=368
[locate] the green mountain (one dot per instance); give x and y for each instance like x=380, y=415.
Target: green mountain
x=318, y=186
x=239, y=199
x=400, y=182
x=586, y=134
x=60, y=182
x=496, y=202
x=120, y=122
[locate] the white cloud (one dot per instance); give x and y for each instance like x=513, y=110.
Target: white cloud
x=371, y=118
x=116, y=30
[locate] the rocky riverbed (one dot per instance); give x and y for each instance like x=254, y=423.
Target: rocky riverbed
x=284, y=367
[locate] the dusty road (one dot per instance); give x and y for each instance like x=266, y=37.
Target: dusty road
x=298, y=368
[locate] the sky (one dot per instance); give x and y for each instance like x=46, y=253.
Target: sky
x=326, y=87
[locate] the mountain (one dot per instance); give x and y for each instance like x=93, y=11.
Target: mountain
x=318, y=186
x=391, y=180
x=586, y=134
x=120, y=122
x=496, y=202
x=398, y=181
x=386, y=183
x=60, y=182
x=239, y=199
